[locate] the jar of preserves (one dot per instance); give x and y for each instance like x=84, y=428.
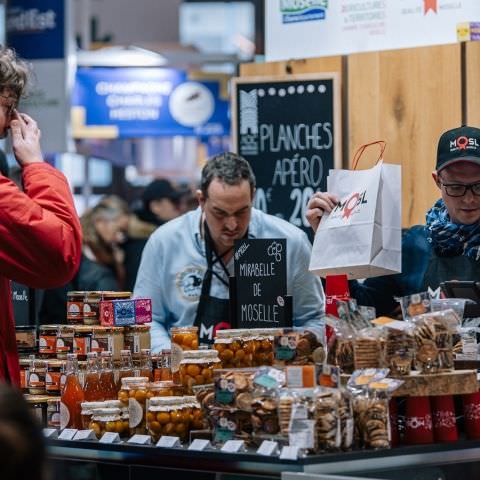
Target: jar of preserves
x=36, y=377
x=53, y=412
x=26, y=337
x=82, y=341
x=24, y=372
x=162, y=366
x=165, y=389
x=38, y=404
x=53, y=378
x=87, y=411
x=75, y=302
x=168, y=416
x=107, y=339
x=197, y=367
x=264, y=346
x=64, y=346
x=183, y=338
x=136, y=338
x=106, y=420
x=235, y=348
x=91, y=308
x=133, y=394
x=197, y=419
x=47, y=341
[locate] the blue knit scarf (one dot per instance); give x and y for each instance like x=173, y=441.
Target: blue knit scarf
x=450, y=239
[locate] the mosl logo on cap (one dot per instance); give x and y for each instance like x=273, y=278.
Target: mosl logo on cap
x=463, y=143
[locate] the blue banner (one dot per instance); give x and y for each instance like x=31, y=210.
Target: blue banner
x=151, y=101
x=36, y=30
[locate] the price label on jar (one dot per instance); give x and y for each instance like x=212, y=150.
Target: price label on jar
x=290, y=453
x=85, y=435
x=200, y=444
x=268, y=448
x=233, y=446
x=167, y=441
x=141, y=440
x=110, y=437
x=68, y=434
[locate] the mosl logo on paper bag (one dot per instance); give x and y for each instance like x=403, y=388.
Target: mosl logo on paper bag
x=349, y=206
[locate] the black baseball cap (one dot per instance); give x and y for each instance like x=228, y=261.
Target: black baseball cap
x=158, y=189
x=458, y=145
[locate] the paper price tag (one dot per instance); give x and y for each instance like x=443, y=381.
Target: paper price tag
x=233, y=446
x=110, y=437
x=167, y=441
x=85, y=435
x=50, y=433
x=268, y=448
x=68, y=434
x=140, y=440
x=200, y=444
x=290, y=453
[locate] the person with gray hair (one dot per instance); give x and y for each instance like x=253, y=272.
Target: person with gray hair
x=187, y=262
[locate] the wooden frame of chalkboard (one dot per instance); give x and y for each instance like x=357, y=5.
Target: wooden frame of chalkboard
x=289, y=128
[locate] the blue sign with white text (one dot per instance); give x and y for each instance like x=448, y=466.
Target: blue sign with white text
x=151, y=102
x=36, y=30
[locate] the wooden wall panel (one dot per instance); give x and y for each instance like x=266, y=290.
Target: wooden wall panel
x=472, y=65
x=408, y=98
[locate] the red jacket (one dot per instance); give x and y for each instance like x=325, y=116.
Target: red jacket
x=40, y=245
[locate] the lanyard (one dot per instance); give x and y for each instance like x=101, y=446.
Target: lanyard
x=210, y=252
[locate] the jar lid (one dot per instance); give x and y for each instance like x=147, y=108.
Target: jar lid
x=48, y=327
x=202, y=355
x=101, y=412
x=76, y=293
x=66, y=327
x=24, y=361
x=56, y=363
x=137, y=328
x=100, y=328
x=113, y=404
x=127, y=381
x=113, y=295
x=164, y=384
x=266, y=332
x=54, y=400
x=184, y=329
x=83, y=328
x=93, y=295
x=36, y=398
x=164, y=401
x=24, y=328
x=92, y=405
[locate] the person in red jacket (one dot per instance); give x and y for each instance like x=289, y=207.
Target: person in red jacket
x=40, y=233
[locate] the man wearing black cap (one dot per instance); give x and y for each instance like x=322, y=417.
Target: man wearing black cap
x=448, y=246
x=160, y=203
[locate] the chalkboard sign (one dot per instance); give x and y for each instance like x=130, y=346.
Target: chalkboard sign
x=261, y=283
x=288, y=128
x=23, y=300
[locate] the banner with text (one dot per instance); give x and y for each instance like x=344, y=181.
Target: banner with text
x=317, y=28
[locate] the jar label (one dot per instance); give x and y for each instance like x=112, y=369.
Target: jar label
x=64, y=416
x=23, y=379
x=177, y=356
x=36, y=380
x=47, y=343
x=65, y=344
x=135, y=412
x=99, y=345
x=52, y=381
x=81, y=345
x=74, y=308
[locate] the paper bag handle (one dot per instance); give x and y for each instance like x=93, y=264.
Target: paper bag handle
x=362, y=148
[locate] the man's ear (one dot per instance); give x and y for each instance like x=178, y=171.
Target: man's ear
x=436, y=178
x=201, y=198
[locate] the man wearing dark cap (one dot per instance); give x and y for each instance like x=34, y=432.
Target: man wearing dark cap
x=160, y=203
x=448, y=246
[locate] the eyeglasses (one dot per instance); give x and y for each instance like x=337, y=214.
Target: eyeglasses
x=10, y=105
x=459, y=190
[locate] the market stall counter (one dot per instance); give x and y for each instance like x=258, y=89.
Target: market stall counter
x=134, y=462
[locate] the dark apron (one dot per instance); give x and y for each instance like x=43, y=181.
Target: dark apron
x=442, y=269
x=212, y=313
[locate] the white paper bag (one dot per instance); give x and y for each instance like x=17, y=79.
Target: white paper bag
x=361, y=237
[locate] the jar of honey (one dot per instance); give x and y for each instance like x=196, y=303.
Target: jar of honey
x=197, y=367
x=168, y=416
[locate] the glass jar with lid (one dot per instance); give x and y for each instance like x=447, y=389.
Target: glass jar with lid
x=24, y=372
x=197, y=367
x=53, y=378
x=65, y=334
x=106, y=420
x=162, y=366
x=197, y=419
x=91, y=308
x=136, y=338
x=133, y=394
x=168, y=416
x=26, y=336
x=264, y=346
x=164, y=389
x=53, y=412
x=235, y=348
x=36, y=376
x=82, y=341
x=75, y=300
x=38, y=404
x=88, y=409
x=47, y=341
